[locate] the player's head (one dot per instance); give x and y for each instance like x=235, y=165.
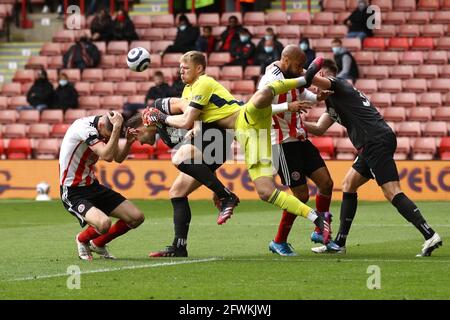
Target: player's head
x=145, y=135
x=104, y=126
x=329, y=68
x=292, y=61
x=192, y=66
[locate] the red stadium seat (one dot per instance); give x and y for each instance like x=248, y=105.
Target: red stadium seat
x=171, y=59
x=3, y=102
x=17, y=101
x=64, y=36
x=19, y=149
x=8, y=116
x=435, y=129
x=381, y=99
x=11, y=89
x=408, y=129
x=168, y=33
x=107, y=62
x=143, y=87
x=430, y=99
x=89, y=102
x=323, y=18
x=334, y=5
x=436, y=57
x=300, y=18
x=51, y=49
x=444, y=148
x=352, y=44
x=424, y=149
x=59, y=130
x=139, y=151
x=115, y=75
x=289, y=31
x=427, y=71
x=325, y=146
x=92, y=75
x=139, y=76
x=208, y=19
x=219, y=58
x=405, y=5
x=28, y=116
x=428, y=5
x=102, y=89
x=143, y=44
x=403, y=148
x=15, y=130
x=73, y=114
x=376, y=72
x=340, y=17
x=415, y=85
x=213, y=72
x=141, y=21
x=408, y=30
x=387, y=31
x=443, y=43
x=344, y=149
x=231, y=73
x=153, y=34
x=398, y=44
x=54, y=62
x=36, y=62
x=367, y=85
x=385, y=5
x=162, y=151
x=442, y=114
x=244, y=87
x=394, y=17
x=390, y=85
x=24, y=76
x=38, y=131
x=73, y=75
x=128, y=88
x=254, y=19
x=439, y=85
x=277, y=18
x=312, y=31
x=387, y=58
x=52, y=116
x=411, y=57
x=117, y=47
x=432, y=30
x=47, y=149
x=422, y=44
x=445, y=5
x=163, y=21
x=422, y=114
x=113, y=102
x=364, y=57
x=419, y=17
x=136, y=99
x=407, y=100
x=395, y=114
x=375, y=44
x=83, y=88
x=252, y=72
x=321, y=44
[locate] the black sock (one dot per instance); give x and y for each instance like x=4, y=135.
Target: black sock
x=205, y=176
x=181, y=220
x=410, y=212
x=348, y=211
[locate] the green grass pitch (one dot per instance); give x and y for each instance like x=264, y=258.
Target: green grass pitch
x=231, y=261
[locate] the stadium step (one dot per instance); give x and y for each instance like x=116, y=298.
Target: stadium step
x=14, y=56
x=150, y=8
x=296, y=6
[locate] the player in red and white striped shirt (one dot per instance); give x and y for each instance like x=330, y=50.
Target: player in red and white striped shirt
x=86, y=141
x=294, y=156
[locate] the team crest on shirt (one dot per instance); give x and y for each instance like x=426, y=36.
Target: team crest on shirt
x=197, y=98
x=295, y=175
x=81, y=208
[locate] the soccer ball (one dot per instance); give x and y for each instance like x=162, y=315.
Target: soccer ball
x=138, y=59
x=42, y=190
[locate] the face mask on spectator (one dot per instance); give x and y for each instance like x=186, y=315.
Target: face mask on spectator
x=243, y=38
x=63, y=82
x=304, y=46
x=268, y=37
x=182, y=27
x=336, y=50
x=268, y=49
x=121, y=18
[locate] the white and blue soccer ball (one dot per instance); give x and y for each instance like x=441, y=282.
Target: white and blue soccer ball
x=43, y=190
x=138, y=59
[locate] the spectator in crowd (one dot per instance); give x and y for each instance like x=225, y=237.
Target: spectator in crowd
x=243, y=51
x=177, y=86
x=160, y=90
x=123, y=27
x=346, y=63
x=206, y=42
x=231, y=34
x=83, y=54
x=186, y=37
x=310, y=53
x=357, y=22
x=66, y=96
x=267, y=53
x=101, y=26
x=40, y=95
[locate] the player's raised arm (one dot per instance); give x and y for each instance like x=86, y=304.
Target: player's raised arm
x=108, y=150
x=123, y=150
x=321, y=126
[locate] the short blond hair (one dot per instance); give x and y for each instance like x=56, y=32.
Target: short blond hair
x=196, y=57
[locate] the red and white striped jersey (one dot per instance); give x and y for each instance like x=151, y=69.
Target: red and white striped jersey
x=286, y=126
x=76, y=159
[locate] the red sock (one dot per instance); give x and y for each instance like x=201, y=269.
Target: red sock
x=88, y=234
x=322, y=204
x=117, y=229
x=287, y=220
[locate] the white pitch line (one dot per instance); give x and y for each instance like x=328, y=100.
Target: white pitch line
x=143, y=266
x=335, y=257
